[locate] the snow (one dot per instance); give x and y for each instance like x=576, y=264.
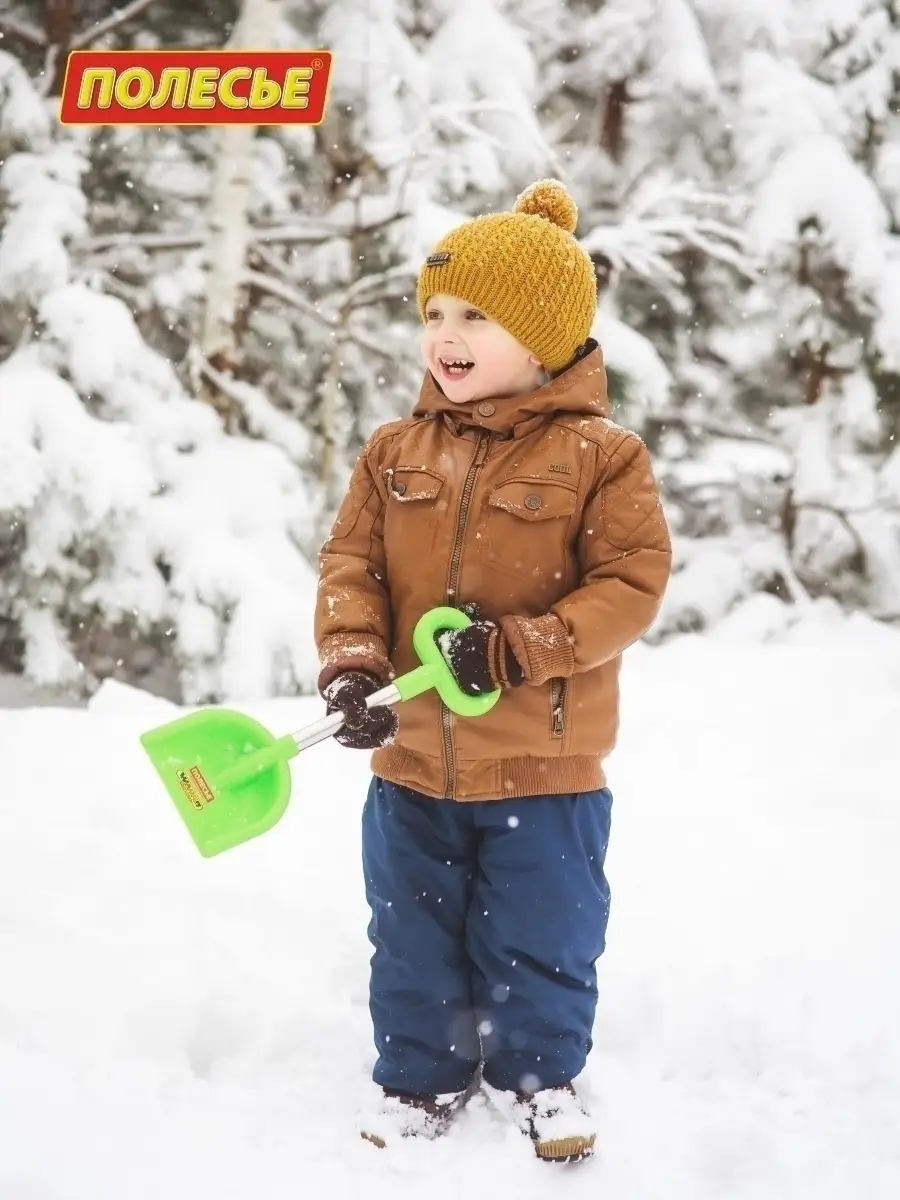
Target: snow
x=634, y=356
x=377, y=73
x=818, y=180
x=46, y=206
x=151, y=478
x=483, y=91
x=663, y=216
x=173, y=1026
x=886, y=335
x=22, y=114
x=682, y=52
x=782, y=108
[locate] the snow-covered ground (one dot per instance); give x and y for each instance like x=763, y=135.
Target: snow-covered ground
x=186, y=1028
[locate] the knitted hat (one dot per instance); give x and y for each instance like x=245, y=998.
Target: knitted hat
x=524, y=269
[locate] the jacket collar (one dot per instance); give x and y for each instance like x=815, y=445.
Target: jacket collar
x=579, y=388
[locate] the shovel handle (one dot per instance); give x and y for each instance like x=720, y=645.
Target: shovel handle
x=434, y=672
x=328, y=726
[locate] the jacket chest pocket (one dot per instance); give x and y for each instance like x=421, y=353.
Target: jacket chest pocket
x=527, y=526
x=414, y=503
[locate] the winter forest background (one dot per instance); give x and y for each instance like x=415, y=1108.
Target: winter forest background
x=200, y=327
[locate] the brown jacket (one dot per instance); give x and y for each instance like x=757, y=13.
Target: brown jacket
x=546, y=514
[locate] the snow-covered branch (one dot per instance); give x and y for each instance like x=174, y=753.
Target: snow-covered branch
x=104, y=26
x=262, y=418
x=663, y=218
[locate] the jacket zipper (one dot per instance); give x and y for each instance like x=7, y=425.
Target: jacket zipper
x=558, y=690
x=484, y=440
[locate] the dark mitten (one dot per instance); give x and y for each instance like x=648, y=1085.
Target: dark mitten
x=480, y=655
x=364, y=728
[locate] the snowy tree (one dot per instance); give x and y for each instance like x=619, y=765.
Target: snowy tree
x=813, y=92
x=135, y=530
x=745, y=228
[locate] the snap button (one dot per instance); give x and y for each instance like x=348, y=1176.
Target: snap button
x=486, y=409
x=532, y=501
x=399, y=487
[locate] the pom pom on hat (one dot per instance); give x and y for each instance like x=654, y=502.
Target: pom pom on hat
x=549, y=199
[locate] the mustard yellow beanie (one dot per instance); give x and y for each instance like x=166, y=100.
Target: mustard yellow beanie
x=524, y=269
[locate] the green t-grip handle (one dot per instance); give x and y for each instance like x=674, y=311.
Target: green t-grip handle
x=435, y=671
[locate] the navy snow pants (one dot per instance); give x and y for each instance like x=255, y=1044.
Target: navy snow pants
x=487, y=920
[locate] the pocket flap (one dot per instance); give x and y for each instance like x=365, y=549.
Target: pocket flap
x=535, y=499
x=412, y=483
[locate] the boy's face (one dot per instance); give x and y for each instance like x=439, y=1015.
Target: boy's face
x=495, y=363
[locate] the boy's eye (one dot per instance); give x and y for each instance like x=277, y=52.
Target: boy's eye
x=474, y=315
x=432, y=314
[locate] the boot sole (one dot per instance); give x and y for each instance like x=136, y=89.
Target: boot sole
x=565, y=1150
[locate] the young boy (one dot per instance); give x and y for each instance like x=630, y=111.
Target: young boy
x=510, y=493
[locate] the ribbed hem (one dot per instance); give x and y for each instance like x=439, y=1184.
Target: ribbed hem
x=352, y=652
x=493, y=779
x=542, y=646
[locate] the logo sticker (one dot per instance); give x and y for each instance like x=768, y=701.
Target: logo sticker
x=188, y=788
x=202, y=785
x=438, y=260
x=195, y=87
x=561, y=468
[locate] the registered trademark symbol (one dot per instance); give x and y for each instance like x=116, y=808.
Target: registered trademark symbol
x=317, y=64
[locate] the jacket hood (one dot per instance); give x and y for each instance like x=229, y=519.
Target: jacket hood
x=579, y=388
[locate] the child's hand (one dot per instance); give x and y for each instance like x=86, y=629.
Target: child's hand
x=364, y=728
x=480, y=656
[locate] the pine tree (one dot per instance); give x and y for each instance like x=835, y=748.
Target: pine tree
x=136, y=531
x=801, y=354
x=823, y=225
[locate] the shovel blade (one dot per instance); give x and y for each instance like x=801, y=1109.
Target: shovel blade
x=188, y=755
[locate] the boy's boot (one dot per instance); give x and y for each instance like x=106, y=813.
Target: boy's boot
x=555, y=1119
x=396, y=1115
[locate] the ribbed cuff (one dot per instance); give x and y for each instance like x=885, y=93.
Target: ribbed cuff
x=504, y=667
x=541, y=646
x=340, y=652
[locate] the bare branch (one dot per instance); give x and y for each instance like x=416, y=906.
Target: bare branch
x=269, y=258
x=693, y=423
x=283, y=234
x=290, y=295
x=357, y=294
x=261, y=416
x=118, y=17
x=29, y=34
x=191, y=239
x=293, y=233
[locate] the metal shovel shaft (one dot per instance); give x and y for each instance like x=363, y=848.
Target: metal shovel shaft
x=328, y=726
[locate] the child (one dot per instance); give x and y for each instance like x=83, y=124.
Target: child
x=508, y=492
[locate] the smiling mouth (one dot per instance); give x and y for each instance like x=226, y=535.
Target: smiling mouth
x=455, y=368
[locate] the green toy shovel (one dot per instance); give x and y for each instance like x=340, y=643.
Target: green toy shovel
x=229, y=777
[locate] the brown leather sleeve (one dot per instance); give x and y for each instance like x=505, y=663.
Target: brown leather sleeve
x=352, y=624
x=625, y=555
